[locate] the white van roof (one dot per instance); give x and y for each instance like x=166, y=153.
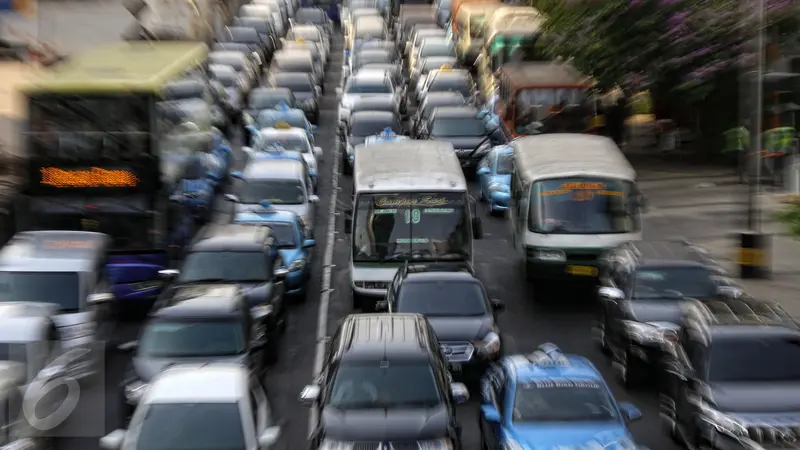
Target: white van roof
x=570, y=155
x=408, y=166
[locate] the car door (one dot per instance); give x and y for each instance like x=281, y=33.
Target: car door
x=485, y=163
x=493, y=392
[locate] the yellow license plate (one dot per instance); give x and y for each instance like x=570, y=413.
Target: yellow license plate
x=583, y=271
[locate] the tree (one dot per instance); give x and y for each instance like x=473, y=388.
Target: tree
x=687, y=52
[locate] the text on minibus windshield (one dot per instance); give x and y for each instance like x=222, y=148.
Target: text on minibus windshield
x=582, y=192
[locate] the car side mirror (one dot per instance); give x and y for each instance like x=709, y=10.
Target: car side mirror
x=630, y=412
x=281, y=273
x=610, y=294
x=128, y=347
x=459, y=392
x=313, y=198
x=113, y=440
x=237, y=175
x=310, y=394
x=269, y=437
x=314, y=128
x=308, y=243
x=348, y=221
x=96, y=299
x=477, y=228
x=490, y=413
x=483, y=171
x=498, y=305
x=168, y=274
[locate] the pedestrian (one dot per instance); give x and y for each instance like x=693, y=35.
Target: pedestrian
x=737, y=141
x=615, y=121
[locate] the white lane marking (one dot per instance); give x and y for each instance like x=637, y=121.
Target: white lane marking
x=325, y=295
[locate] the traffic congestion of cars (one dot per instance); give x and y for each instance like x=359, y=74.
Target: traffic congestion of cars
x=414, y=133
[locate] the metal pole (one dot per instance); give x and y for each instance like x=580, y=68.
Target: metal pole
x=753, y=215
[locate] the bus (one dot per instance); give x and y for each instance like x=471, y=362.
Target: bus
x=507, y=38
x=471, y=20
x=573, y=197
x=96, y=156
x=410, y=203
x=532, y=94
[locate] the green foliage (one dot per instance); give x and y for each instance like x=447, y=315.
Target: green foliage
x=791, y=217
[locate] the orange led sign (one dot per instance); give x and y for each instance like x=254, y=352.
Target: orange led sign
x=87, y=178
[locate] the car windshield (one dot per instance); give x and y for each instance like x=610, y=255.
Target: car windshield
x=369, y=127
x=277, y=192
x=755, y=359
x=290, y=143
x=658, y=283
x=437, y=49
x=264, y=100
x=429, y=107
x=164, y=338
x=60, y=288
x=424, y=226
x=441, y=298
x=284, y=234
x=369, y=87
x=461, y=127
x=451, y=84
x=563, y=401
x=505, y=163
x=223, y=266
x=374, y=385
x=582, y=206
x=296, y=84
x=15, y=351
x=373, y=57
x=191, y=426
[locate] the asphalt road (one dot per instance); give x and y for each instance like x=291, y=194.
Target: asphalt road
x=562, y=314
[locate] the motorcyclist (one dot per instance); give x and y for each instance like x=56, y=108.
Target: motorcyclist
x=195, y=190
x=222, y=151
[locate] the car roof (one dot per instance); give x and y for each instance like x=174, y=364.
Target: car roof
x=368, y=76
x=384, y=337
x=539, y=366
x=271, y=90
x=199, y=383
x=222, y=68
x=375, y=116
x=465, y=112
x=54, y=251
x=436, y=276
x=459, y=74
x=293, y=53
x=230, y=237
x=274, y=169
x=278, y=132
x=435, y=97
x=276, y=215
x=227, y=54
x=381, y=100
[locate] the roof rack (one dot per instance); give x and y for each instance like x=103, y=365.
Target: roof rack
x=438, y=266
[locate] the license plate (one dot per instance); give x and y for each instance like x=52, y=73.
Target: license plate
x=455, y=368
x=582, y=271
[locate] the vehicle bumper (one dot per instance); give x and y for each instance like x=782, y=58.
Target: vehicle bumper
x=367, y=298
x=472, y=370
x=585, y=265
x=296, y=282
x=498, y=201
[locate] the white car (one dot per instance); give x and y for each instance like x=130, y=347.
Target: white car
x=293, y=139
x=200, y=406
x=367, y=84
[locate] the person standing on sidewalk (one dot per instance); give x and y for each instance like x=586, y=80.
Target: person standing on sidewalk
x=737, y=140
x=615, y=121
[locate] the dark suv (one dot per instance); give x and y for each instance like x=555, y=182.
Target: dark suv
x=456, y=305
x=735, y=382
x=244, y=255
x=643, y=288
x=213, y=324
x=385, y=384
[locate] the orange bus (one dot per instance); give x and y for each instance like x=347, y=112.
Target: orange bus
x=534, y=95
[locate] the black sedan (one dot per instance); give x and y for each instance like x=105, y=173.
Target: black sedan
x=470, y=135
x=306, y=93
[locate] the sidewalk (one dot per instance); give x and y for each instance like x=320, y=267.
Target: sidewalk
x=784, y=285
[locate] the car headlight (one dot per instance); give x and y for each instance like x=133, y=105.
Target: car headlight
x=489, y=345
x=436, y=444
x=497, y=187
x=297, y=264
x=76, y=331
x=261, y=311
x=722, y=423
x=135, y=390
x=656, y=332
x=335, y=445
x=549, y=255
